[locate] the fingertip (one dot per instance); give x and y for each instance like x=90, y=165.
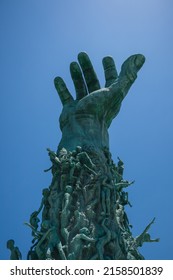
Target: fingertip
x=83, y=58
x=108, y=61
x=88, y=72
x=109, y=70
x=82, y=54
x=74, y=66
x=139, y=60
x=57, y=80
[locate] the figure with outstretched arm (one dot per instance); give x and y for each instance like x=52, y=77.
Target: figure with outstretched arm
x=145, y=236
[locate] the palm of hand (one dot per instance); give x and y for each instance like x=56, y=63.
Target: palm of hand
x=102, y=104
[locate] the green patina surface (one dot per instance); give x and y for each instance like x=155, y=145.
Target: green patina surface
x=82, y=213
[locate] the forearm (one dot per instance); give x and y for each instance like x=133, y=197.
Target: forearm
x=88, y=133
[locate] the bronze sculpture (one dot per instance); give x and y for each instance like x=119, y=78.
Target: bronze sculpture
x=83, y=210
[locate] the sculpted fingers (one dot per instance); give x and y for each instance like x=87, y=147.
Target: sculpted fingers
x=78, y=80
x=88, y=72
x=62, y=90
x=109, y=70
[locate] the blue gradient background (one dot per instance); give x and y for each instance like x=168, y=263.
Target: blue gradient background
x=39, y=39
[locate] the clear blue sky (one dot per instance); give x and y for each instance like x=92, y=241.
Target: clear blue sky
x=39, y=39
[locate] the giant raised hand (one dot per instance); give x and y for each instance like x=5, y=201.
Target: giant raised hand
x=84, y=121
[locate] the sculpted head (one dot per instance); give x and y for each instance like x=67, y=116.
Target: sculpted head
x=10, y=244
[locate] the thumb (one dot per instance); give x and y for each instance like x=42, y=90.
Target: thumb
x=128, y=73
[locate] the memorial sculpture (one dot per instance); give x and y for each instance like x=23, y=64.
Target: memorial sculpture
x=15, y=252
x=82, y=213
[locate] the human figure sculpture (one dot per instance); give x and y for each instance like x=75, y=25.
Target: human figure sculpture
x=80, y=222
x=122, y=196
x=65, y=214
x=106, y=196
x=53, y=242
x=34, y=220
x=55, y=201
x=103, y=240
x=55, y=161
x=53, y=157
x=120, y=215
x=45, y=204
x=15, y=252
x=77, y=242
x=33, y=224
x=120, y=167
x=145, y=236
